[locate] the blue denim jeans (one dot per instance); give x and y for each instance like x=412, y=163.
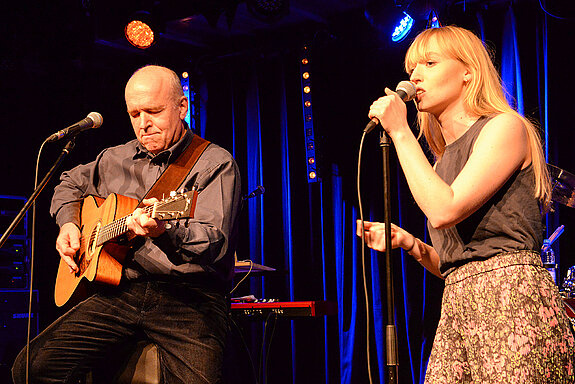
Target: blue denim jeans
x=187, y=324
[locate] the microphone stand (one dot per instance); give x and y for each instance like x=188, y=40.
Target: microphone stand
x=69, y=146
x=390, y=329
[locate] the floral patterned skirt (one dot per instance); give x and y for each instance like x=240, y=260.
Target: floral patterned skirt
x=502, y=321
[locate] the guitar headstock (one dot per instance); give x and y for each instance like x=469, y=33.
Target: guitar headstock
x=177, y=206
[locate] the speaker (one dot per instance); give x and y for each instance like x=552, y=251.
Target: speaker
x=14, y=324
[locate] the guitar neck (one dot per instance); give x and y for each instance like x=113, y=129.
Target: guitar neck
x=117, y=227
x=177, y=206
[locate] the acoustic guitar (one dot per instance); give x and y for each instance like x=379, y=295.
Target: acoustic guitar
x=102, y=253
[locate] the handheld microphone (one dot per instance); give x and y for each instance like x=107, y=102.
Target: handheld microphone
x=256, y=192
x=405, y=90
x=93, y=120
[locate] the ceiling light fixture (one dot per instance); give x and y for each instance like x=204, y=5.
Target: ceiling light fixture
x=402, y=28
x=140, y=30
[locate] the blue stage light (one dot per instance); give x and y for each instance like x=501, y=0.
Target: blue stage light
x=402, y=29
x=433, y=20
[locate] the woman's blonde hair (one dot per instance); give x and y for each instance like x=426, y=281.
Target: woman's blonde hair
x=484, y=95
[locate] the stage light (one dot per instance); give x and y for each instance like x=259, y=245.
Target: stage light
x=433, y=20
x=140, y=30
x=268, y=10
x=402, y=29
x=312, y=167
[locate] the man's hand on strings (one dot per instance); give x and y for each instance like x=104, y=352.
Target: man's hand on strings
x=141, y=224
x=68, y=243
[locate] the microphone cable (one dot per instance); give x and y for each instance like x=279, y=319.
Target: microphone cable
x=406, y=90
x=32, y=252
x=363, y=269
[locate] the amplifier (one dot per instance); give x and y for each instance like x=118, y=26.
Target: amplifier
x=13, y=279
x=14, y=264
x=16, y=250
x=14, y=321
x=10, y=206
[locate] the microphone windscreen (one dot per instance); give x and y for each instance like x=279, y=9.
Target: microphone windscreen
x=96, y=118
x=406, y=90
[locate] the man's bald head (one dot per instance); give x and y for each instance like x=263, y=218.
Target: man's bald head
x=157, y=107
x=158, y=73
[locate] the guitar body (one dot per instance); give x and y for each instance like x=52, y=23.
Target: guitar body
x=96, y=263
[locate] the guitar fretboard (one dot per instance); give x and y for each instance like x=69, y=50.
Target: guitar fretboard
x=117, y=227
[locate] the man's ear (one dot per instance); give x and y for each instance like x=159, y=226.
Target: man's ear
x=183, y=106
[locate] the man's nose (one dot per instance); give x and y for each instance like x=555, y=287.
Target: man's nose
x=144, y=120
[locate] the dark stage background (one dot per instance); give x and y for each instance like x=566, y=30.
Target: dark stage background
x=57, y=64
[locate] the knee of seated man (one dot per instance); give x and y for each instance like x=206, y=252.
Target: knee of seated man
x=19, y=368
x=37, y=368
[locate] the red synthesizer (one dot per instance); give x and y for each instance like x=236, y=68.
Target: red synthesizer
x=285, y=309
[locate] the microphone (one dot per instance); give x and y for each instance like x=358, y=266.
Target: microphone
x=256, y=192
x=405, y=90
x=93, y=120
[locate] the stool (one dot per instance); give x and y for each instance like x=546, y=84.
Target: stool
x=142, y=366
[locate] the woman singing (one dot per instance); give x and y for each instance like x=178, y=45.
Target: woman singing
x=502, y=319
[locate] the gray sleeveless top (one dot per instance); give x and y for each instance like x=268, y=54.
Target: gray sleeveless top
x=509, y=221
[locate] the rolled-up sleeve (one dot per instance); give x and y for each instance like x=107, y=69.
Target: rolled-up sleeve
x=74, y=186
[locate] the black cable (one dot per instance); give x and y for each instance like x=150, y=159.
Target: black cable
x=261, y=365
x=256, y=378
x=363, y=269
x=31, y=282
x=265, y=378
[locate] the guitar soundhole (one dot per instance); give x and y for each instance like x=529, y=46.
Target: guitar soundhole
x=82, y=264
x=93, y=243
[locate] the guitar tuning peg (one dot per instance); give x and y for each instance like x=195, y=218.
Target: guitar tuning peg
x=177, y=224
x=173, y=193
x=187, y=223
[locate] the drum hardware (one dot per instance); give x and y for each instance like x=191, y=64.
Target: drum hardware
x=547, y=254
x=568, y=285
x=569, y=304
x=563, y=192
x=563, y=186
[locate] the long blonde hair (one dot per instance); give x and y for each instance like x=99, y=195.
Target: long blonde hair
x=484, y=94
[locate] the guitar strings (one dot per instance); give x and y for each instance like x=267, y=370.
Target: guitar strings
x=118, y=227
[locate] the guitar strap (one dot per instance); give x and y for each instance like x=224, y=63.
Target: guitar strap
x=176, y=172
